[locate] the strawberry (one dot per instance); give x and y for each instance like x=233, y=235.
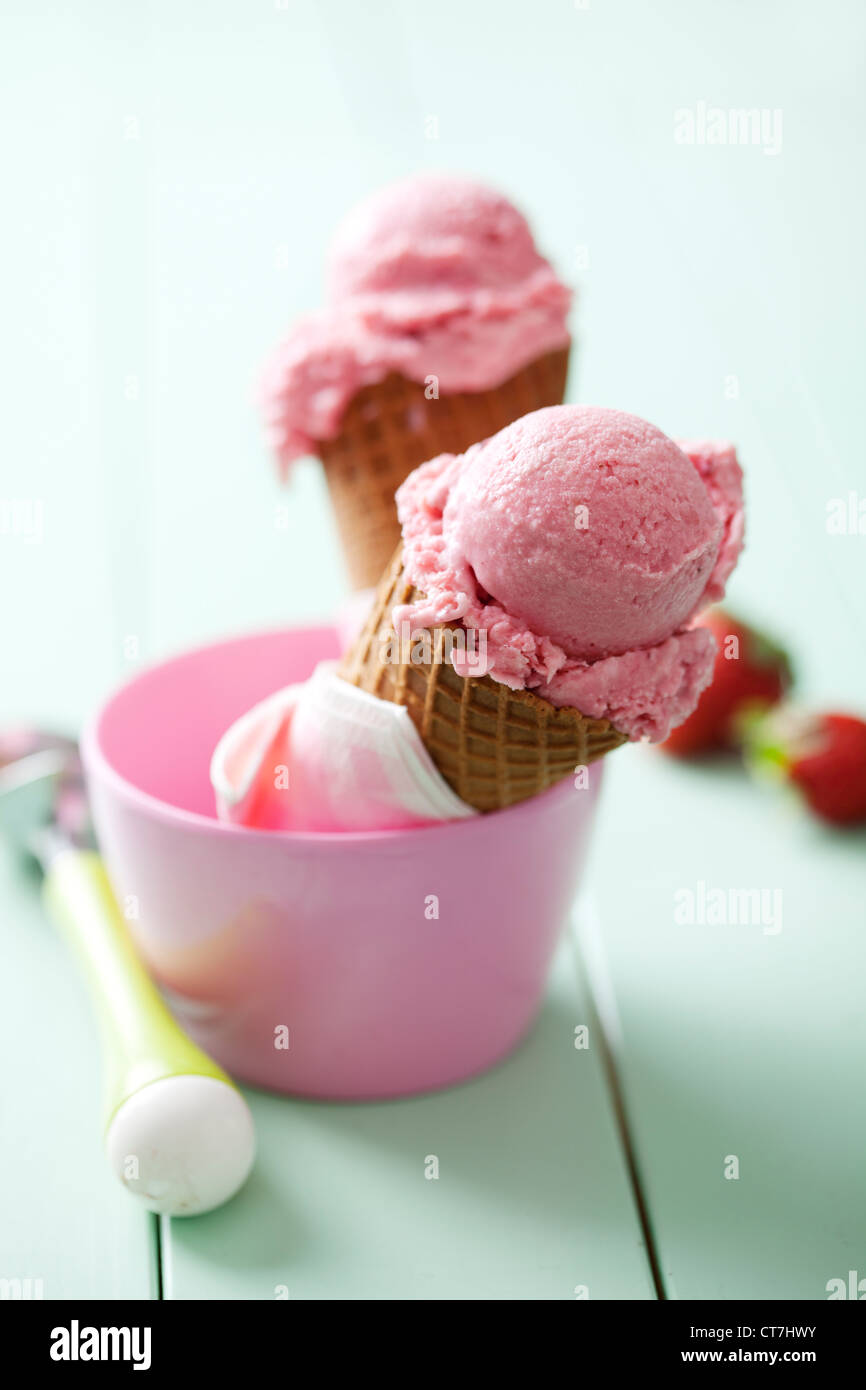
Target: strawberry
x=750, y=675
x=822, y=755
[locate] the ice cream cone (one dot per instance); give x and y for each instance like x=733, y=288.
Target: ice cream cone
x=494, y=746
x=392, y=427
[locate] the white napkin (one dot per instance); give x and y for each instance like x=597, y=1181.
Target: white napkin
x=327, y=756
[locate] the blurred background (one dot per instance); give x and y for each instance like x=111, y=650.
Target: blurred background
x=173, y=174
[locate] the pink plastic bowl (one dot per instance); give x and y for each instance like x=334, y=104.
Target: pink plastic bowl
x=391, y=962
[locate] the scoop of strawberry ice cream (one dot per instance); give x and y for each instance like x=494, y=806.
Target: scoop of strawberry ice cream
x=433, y=276
x=581, y=542
x=431, y=241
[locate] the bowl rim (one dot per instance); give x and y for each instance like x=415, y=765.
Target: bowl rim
x=98, y=766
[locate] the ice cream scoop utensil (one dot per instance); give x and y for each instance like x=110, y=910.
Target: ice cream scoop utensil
x=178, y=1133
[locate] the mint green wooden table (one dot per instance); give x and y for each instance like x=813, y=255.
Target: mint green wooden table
x=738, y=1042
x=531, y=1199
x=174, y=180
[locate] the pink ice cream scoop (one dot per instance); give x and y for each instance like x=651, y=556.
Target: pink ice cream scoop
x=429, y=244
x=435, y=276
x=582, y=542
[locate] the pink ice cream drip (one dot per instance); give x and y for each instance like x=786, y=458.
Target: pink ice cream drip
x=583, y=543
x=432, y=276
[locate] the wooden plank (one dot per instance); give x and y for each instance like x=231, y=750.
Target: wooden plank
x=737, y=1041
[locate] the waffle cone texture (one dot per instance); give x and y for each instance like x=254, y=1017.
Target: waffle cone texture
x=494, y=746
x=391, y=427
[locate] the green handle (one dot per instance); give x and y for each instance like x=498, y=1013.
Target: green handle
x=142, y=1043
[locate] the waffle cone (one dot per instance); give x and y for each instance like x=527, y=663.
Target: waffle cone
x=391, y=427
x=494, y=746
